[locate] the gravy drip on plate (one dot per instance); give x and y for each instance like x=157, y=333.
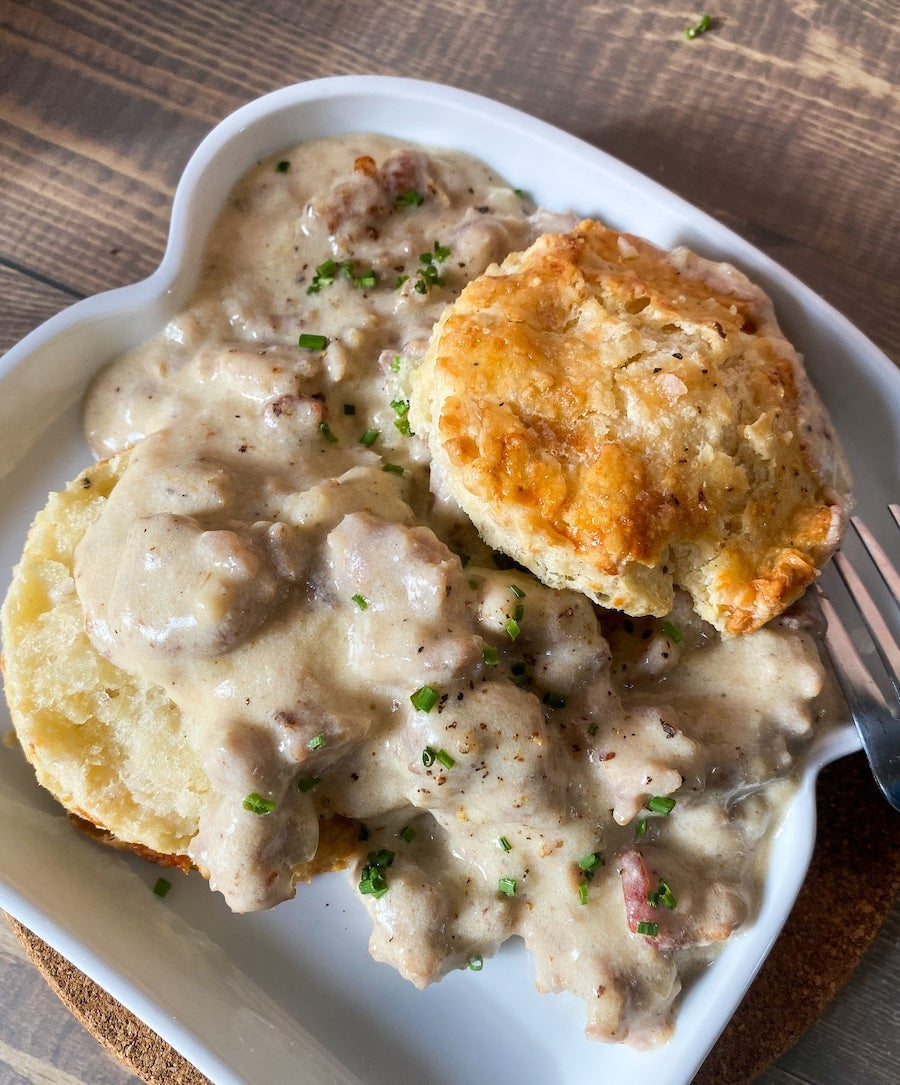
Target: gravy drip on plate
x=274, y=558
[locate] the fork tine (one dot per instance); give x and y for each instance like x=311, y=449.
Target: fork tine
x=874, y=722
x=882, y=637
x=879, y=558
x=851, y=671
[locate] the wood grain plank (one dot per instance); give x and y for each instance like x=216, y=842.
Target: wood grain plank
x=26, y=303
x=784, y=122
x=72, y=219
x=781, y=120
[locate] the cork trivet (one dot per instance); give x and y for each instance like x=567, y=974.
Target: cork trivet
x=852, y=884
x=853, y=881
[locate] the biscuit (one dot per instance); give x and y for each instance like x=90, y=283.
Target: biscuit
x=115, y=751
x=625, y=421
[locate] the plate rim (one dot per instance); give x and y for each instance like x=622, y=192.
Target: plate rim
x=158, y=288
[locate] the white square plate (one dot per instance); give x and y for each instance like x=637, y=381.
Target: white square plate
x=292, y=995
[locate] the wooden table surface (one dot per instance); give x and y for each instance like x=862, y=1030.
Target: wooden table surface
x=783, y=121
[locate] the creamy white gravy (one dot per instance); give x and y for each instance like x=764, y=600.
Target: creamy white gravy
x=292, y=587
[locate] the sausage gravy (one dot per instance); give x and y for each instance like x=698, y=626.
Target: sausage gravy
x=274, y=557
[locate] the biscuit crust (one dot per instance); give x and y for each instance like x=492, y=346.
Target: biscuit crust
x=624, y=421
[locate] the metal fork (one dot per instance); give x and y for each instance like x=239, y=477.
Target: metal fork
x=877, y=717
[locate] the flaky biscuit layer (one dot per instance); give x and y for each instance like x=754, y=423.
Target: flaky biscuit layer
x=624, y=421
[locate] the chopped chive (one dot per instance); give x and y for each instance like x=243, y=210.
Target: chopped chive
x=554, y=700
x=374, y=884
x=409, y=198
x=583, y=892
x=504, y=843
x=349, y=408
x=593, y=729
x=653, y=898
x=473, y=584
x=283, y=166
x=369, y=438
x=666, y=896
x=361, y=601
x=308, y=341
x=476, y=962
x=650, y=929
x=402, y=424
x=512, y=628
x=372, y=880
x=307, y=783
x=393, y=468
x=671, y=631
x=490, y=655
x=507, y=886
x=400, y=280
x=256, y=804
x=641, y=828
x=517, y=591
x=661, y=804
x=396, y=362
x=702, y=26
x=589, y=863
x=427, y=274
x=519, y=612
x=519, y=192
x=326, y=274
x=317, y=742
x=400, y=406
x=162, y=887
x=407, y=833
x=327, y=432
x=428, y=756
x=445, y=759
x=441, y=252
x=425, y=698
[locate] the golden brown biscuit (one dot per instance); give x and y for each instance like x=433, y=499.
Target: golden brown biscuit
x=623, y=421
x=115, y=751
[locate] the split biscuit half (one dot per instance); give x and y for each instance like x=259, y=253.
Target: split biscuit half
x=114, y=750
